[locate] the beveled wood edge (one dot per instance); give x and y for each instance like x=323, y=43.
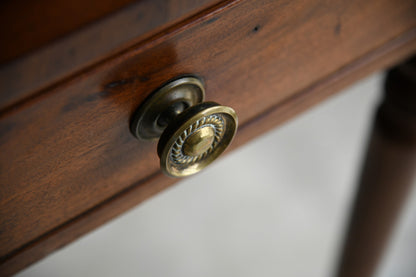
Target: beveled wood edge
x=11, y=103
x=380, y=58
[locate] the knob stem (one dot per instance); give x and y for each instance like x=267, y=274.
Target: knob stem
x=170, y=113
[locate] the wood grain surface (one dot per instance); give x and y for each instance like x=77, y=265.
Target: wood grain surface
x=26, y=25
x=67, y=151
x=68, y=53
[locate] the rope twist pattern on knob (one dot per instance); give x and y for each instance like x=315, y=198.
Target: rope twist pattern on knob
x=178, y=155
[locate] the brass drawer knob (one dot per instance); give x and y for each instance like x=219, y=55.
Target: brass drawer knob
x=191, y=133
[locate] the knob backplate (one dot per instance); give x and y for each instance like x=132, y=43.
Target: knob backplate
x=172, y=98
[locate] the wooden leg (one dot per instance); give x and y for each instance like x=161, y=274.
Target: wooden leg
x=387, y=175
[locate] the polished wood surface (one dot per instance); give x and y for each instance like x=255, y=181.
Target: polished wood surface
x=68, y=54
x=26, y=25
x=388, y=174
x=68, y=157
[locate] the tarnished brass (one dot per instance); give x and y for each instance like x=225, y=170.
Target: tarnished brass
x=152, y=117
x=192, y=133
x=199, y=142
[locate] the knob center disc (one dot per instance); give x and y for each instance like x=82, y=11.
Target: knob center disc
x=199, y=142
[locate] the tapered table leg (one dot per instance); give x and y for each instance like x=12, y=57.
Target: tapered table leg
x=388, y=172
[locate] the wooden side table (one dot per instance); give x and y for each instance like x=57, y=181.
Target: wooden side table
x=73, y=73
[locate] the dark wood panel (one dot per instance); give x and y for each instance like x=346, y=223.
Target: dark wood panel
x=40, y=69
x=26, y=25
x=69, y=148
x=382, y=57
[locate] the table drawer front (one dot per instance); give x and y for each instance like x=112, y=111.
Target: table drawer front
x=70, y=148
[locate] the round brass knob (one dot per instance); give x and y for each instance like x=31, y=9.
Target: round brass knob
x=191, y=133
